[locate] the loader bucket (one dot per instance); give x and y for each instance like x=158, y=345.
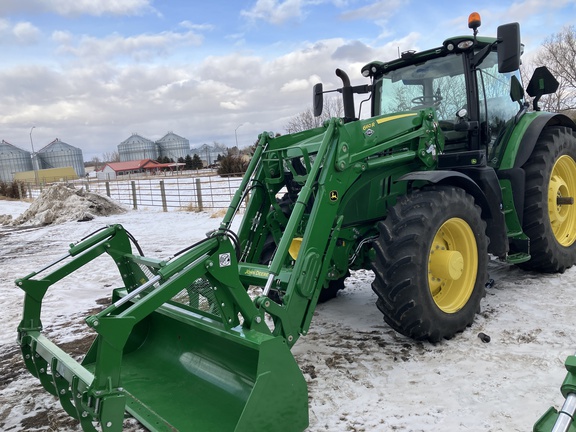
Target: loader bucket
x=182, y=373
x=182, y=347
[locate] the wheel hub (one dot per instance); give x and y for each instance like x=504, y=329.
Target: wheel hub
x=561, y=192
x=452, y=265
x=446, y=264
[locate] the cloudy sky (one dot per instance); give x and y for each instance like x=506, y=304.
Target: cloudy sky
x=92, y=72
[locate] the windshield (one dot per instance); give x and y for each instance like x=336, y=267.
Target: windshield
x=496, y=96
x=439, y=82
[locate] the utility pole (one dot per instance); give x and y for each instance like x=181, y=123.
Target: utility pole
x=34, y=159
x=236, y=135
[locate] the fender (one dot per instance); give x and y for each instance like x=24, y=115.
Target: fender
x=482, y=183
x=525, y=135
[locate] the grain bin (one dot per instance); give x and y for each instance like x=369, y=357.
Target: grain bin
x=137, y=148
x=13, y=160
x=173, y=146
x=58, y=154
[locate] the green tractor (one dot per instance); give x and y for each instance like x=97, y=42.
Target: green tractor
x=449, y=167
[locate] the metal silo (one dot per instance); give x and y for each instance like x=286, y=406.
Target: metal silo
x=58, y=154
x=173, y=146
x=137, y=148
x=12, y=160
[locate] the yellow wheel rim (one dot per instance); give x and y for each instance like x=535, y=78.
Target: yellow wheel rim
x=561, y=188
x=453, y=265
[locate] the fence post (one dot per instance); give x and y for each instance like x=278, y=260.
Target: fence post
x=108, y=189
x=163, y=195
x=135, y=203
x=29, y=190
x=19, y=190
x=199, y=194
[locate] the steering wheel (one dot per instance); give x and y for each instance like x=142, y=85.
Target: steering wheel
x=427, y=100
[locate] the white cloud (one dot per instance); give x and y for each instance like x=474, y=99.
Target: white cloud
x=523, y=10
x=140, y=47
x=95, y=108
x=275, y=11
x=297, y=85
x=233, y=105
x=197, y=27
x=79, y=7
x=26, y=33
x=101, y=7
x=375, y=10
x=353, y=50
x=21, y=33
x=63, y=37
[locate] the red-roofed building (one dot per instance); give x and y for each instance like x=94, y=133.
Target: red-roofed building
x=112, y=170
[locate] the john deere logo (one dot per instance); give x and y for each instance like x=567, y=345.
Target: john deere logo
x=225, y=260
x=333, y=195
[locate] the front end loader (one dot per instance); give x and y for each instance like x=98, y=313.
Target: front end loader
x=450, y=166
x=563, y=420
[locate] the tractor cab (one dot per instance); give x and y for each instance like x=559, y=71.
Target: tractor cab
x=471, y=83
x=440, y=82
x=468, y=82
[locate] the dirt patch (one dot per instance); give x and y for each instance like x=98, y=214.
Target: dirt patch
x=11, y=366
x=40, y=411
x=50, y=420
x=310, y=370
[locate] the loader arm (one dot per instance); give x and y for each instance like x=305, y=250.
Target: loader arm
x=146, y=319
x=330, y=165
x=562, y=420
x=187, y=324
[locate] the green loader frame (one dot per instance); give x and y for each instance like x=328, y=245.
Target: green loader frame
x=453, y=169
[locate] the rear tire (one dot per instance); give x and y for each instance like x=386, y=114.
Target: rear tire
x=551, y=227
x=431, y=263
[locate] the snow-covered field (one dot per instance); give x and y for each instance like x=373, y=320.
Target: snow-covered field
x=361, y=375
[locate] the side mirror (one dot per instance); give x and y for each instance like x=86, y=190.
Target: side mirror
x=318, y=99
x=516, y=90
x=509, y=47
x=541, y=83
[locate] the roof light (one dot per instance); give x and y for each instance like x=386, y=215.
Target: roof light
x=465, y=44
x=474, y=21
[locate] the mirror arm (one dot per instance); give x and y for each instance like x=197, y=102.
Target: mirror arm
x=482, y=54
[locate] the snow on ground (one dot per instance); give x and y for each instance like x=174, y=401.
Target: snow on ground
x=362, y=376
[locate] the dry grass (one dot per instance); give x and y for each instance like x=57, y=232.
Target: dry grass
x=4, y=198
x=219, y=213
x=191, y=207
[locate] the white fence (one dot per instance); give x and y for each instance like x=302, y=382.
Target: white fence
x=198, y=193
x=195, y=193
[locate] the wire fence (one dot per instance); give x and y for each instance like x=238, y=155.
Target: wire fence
x=192, y=193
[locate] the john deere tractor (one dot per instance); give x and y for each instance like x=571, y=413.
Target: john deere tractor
x=449, y=166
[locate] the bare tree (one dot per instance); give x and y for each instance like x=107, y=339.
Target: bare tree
x=96, y=162
x=558, y=54
x=113, y=156
x=305, y=120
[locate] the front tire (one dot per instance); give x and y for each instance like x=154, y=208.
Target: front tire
x=549, y=219
x=431, y=263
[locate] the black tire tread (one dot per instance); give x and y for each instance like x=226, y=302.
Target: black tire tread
x=548, y=256
x=401, y=262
